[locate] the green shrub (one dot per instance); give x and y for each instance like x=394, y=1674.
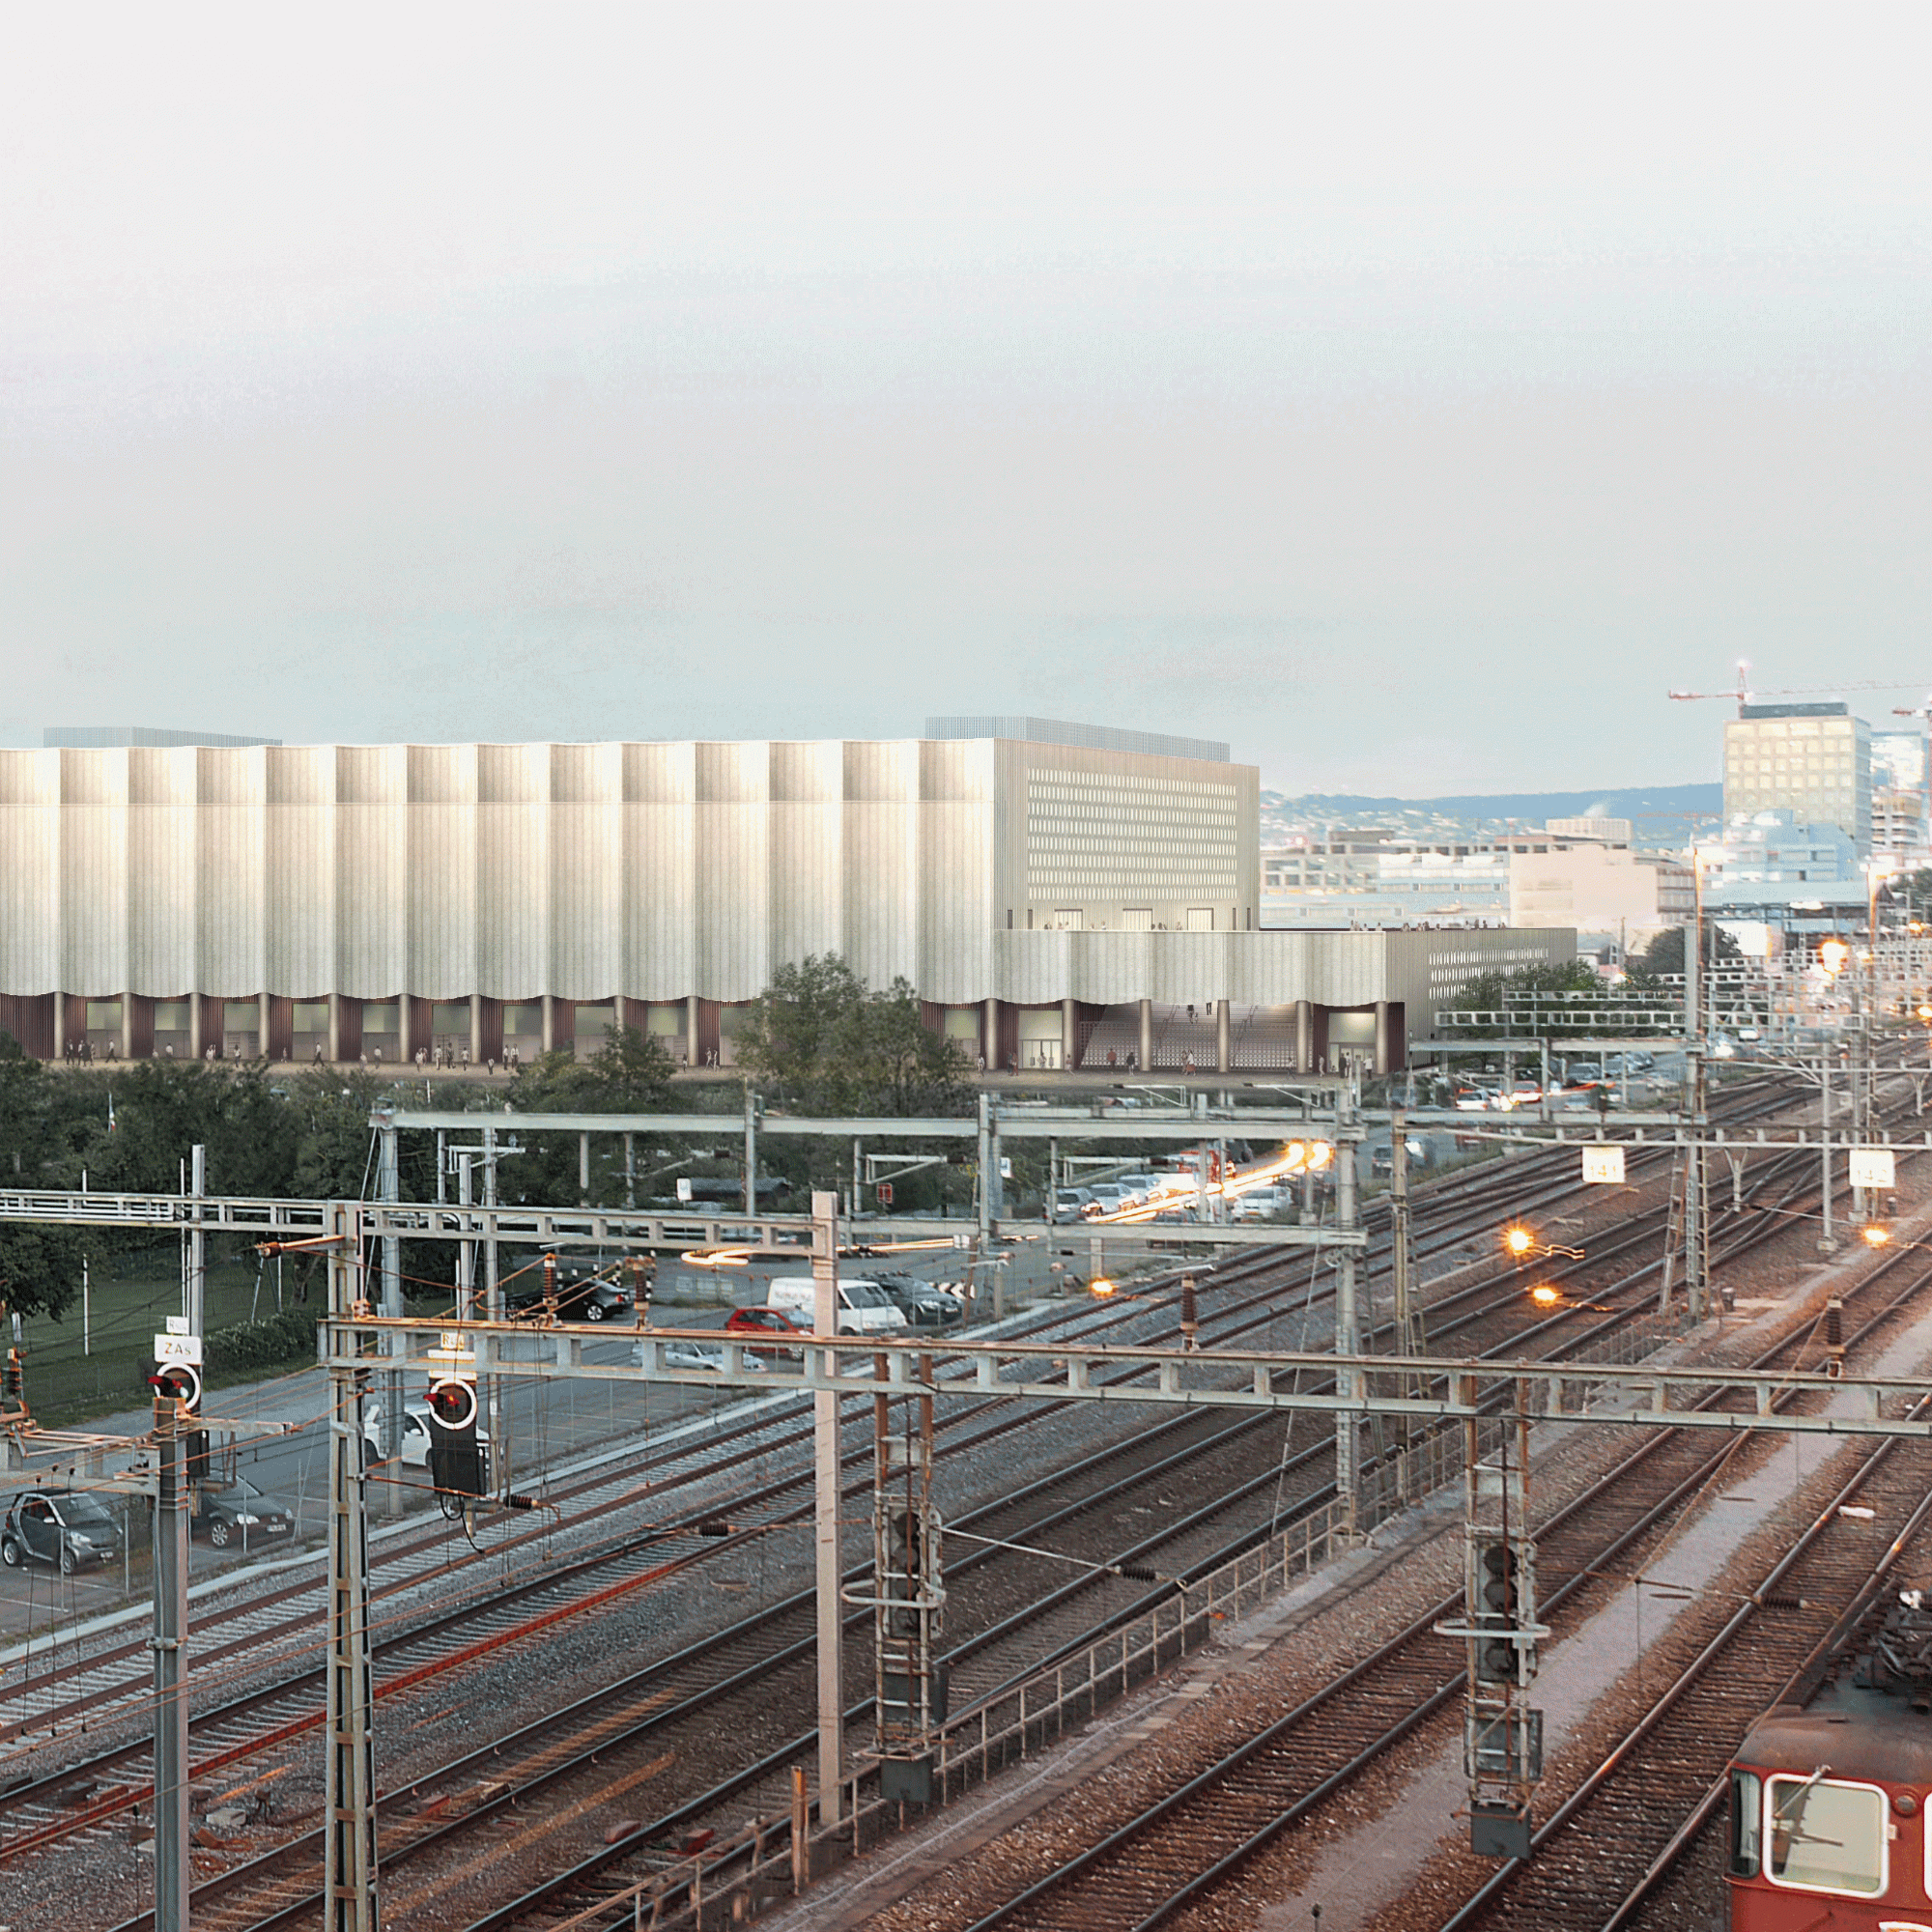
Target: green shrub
x=288, y=1336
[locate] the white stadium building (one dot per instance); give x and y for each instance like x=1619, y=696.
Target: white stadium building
x=1058, y=896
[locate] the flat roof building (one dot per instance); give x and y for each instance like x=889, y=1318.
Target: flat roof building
x=1811, y=760
x=389, y=900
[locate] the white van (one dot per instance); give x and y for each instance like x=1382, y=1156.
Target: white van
x=865, y=1308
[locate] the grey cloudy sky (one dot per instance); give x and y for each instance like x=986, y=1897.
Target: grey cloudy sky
x=1410, y=395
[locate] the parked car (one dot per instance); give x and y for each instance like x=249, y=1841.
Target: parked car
x=238, y=1512
x=864, y=1307
x=923, y=1303
x=68, y=1528
x=697, y=1355
x=587, y=1290
x=762, y=1319
x=1070, y=1204
x=1261, y=1204
x=1111, y=1196
x=413, y=1440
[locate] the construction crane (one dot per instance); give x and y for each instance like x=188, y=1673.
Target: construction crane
x=1744, y=695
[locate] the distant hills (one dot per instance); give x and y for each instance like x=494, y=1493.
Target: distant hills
x=1705, y=801
x=1663, y=817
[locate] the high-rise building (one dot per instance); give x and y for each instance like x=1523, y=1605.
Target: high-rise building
x=1811, y=760
x=1899, y=830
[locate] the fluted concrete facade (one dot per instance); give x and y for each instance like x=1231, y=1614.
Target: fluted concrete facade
x=647, y=872
x=227, y=899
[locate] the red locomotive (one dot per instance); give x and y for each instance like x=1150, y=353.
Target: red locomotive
x=1829, y=1796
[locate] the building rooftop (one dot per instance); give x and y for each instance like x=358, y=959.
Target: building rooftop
x=1092, y=737
x=94, y=737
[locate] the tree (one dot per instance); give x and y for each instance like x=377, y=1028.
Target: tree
x=1499, y=992
x=629, y=1073
x=1666, y=953
x=820, y=1040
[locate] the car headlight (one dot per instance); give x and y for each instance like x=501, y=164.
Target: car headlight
x=78, y=1540
x=248, y=1518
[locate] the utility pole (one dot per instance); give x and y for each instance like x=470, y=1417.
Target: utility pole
x=493, y=1307
x=1696, y=1243
x=388, y=1187
x=752, y=1154
x=1348, y=1318
x=826, y=1502
x=350, y=1769
x=1409, y=1339
x=1826, y=1245
x=194, y=1302
x=465, y=1250
x=171, y=1855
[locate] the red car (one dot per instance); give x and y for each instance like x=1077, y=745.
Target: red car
x=759, y=1320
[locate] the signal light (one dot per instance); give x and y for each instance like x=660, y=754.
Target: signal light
x=455, y=1457
x=1502, y=1607
x=180, y=1382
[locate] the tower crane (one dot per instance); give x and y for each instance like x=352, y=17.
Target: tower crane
x=1744, y=695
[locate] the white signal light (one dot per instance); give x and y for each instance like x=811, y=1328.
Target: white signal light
x=452, y=1403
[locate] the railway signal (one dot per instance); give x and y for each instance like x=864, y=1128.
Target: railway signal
x=1503, y=1736
x=175, y=1376
x=455, y=1456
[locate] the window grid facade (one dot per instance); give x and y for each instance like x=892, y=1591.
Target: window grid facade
x=1101, y=839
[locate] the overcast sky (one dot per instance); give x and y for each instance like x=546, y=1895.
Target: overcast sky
x=1407, y=395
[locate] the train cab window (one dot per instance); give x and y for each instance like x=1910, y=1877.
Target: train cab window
x=1747, y=1822
x=1826, y=1836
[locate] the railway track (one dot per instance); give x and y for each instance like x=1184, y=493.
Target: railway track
x=253, y=1627
x=1177, y=1850
x=1511, y=1183
x=1602, y=1845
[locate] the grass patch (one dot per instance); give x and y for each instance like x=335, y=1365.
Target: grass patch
x=129, y=1306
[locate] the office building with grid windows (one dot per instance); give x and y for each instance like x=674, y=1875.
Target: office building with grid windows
x=1811, y=760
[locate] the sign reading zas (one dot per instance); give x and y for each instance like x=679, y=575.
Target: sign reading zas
x=184, y=1348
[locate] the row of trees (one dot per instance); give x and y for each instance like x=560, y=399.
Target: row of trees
x=819, y=1040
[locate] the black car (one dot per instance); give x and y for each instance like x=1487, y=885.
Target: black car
x=587, y=1290
x=922, y=1305
x=238, y=1513
x=64, y=1526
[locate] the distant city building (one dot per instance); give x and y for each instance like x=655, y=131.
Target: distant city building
x=1609, y=894
x=1774, y=867
x=1900, y=834
x=1811, y=760
x=1090, y=737
x=98, y=737
x=1608, y=830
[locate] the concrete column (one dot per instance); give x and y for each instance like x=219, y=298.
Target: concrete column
x=1224, y=1037
x=1069, y=1033
x=1384, y=1060
x=1305, y=1037
x=990, y=1030
x=336, y=1026
x=691, y=1030
x=261, y=1016
x=1147, y=1034
x=550, y=1022
x=477, y=1029
x=127, y=1025
x=406, y=1031
x=193, y=1026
